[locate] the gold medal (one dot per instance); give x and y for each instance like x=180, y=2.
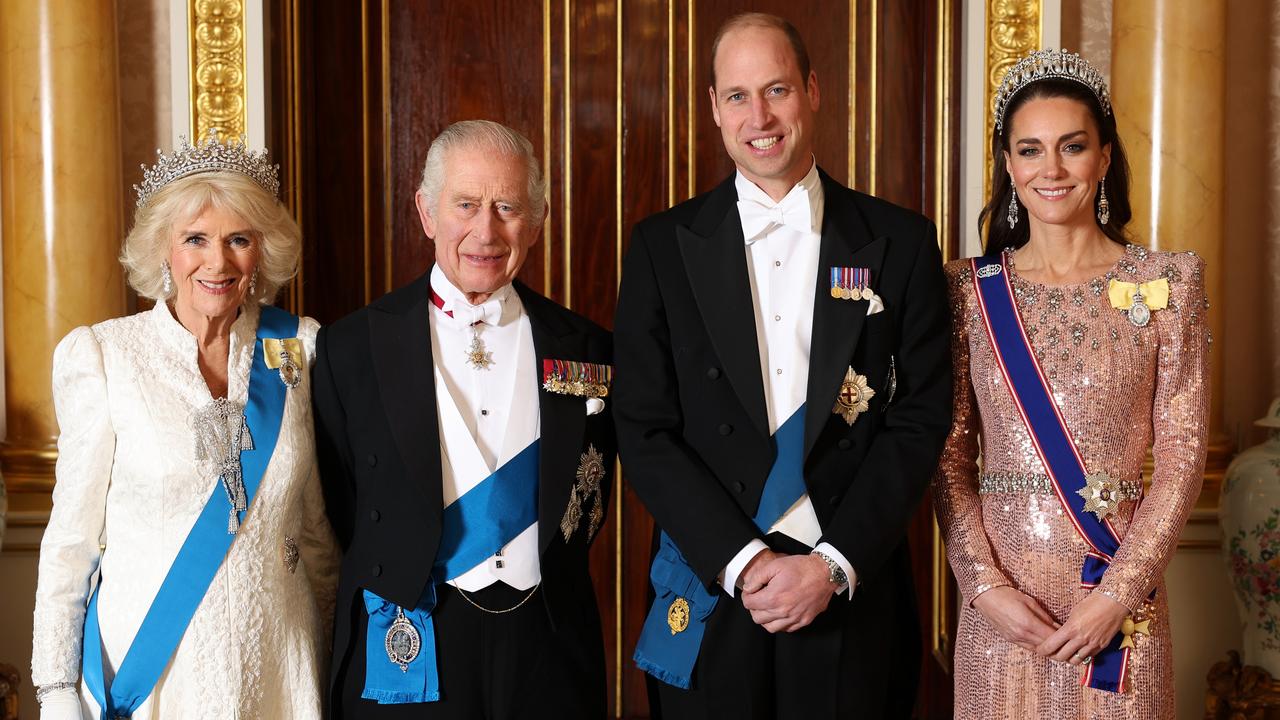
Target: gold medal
x=678, y=615
x=835, y=292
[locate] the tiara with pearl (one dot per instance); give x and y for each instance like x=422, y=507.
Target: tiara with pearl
x=1046, y=64
x=210, y=156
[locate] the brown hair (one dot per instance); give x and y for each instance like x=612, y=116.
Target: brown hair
x=764, y=20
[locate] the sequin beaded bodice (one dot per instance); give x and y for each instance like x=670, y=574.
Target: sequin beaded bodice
x=1121, y=389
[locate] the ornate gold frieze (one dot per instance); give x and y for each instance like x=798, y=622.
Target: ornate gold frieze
x=217, y=57
x=1013, y=30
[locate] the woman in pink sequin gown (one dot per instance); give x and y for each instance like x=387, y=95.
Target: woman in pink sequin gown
x=1027, y=627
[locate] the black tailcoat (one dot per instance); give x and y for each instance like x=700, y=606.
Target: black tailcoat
x=378, y=443
x=693, y=427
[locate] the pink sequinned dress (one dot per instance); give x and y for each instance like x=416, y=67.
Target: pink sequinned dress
x=1122, y=390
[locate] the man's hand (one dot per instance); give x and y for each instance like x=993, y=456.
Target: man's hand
x=754, y=575
x=1017, y=617
x=791, y=591
x=1090, y=628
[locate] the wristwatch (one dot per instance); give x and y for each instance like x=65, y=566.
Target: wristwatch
x=835, y=573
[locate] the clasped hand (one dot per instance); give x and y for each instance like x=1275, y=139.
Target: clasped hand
x=785, y=592
x=1021, y=620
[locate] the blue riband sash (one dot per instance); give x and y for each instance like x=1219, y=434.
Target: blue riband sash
x=667, y=654
x=474, y=527
x=1053, y=442
x=201, y=554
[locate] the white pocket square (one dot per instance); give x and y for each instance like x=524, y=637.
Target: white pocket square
x=595, y=405
x=875, y=305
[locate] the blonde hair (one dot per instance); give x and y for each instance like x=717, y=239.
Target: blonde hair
x=488, y=135
x=148, y=243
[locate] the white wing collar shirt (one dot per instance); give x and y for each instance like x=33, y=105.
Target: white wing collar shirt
x=782, y=244
x=487, y=415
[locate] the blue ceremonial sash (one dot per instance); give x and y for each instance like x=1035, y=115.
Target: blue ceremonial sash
x=474, y=527
x=1053, y=442
x=667, y=653
x=201, y=554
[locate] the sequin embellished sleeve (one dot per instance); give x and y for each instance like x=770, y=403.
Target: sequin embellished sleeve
x=1179, y=420
x=69, y=550
x=955, y=484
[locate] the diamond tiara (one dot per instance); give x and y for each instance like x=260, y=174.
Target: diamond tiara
x=211, y=156
x=1046, y=64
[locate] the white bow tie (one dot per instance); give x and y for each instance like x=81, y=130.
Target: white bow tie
x=488, y=312
x=792, y=211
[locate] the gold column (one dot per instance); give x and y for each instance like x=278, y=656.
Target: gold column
x=1168, y=86
x=59, y=208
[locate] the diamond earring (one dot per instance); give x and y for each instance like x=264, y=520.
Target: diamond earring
x=167, y=277
x=1104, y=207
x=1013, y=208
x=253, y=282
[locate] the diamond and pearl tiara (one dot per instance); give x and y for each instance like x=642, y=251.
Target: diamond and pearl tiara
x=1046, y=64
x=211, y=156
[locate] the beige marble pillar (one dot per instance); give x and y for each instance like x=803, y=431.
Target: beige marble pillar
x=1168, y=87
x=60, y=208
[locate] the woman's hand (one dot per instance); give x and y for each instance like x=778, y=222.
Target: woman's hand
x=1090, y=628
x=1016, y=616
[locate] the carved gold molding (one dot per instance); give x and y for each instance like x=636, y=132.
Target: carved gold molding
x=217, y=58
x=1013, y=29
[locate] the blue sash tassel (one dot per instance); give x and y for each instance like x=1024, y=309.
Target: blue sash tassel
x=1053, y=440
x=201, y=554
x=473, y=527
x=670, y=656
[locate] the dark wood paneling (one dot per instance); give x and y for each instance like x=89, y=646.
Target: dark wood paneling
x=380, y=78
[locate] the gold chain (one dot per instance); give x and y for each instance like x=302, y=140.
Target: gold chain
x=497, y=612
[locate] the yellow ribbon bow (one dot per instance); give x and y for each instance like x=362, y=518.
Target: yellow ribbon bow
x=1155, y=293
x=273, y=348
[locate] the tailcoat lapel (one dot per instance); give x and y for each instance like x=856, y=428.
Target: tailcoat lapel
x=562, y=417
x=400, y=337
x=837, y=324
x=716, y=262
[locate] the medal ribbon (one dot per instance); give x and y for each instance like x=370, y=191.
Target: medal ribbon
x=1053, y=442
x=474, y=527
x=669, y=655
x=201, y=554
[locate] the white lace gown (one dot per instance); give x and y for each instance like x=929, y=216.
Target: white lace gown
x=128, y=489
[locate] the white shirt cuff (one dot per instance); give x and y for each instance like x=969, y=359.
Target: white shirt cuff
x=729, y=576
x=834, y=554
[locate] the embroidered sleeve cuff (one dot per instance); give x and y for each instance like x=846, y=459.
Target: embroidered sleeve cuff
x=729, y=577
x=834, y=554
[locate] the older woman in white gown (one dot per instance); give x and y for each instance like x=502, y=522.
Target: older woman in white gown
x=187, y=504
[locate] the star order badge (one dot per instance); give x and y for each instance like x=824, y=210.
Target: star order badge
x=1100, y=495
x=678, y=615
x=854, y=398
x=590, y=474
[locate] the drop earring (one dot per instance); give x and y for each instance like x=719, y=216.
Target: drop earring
x=1013, y=208
x=253, y=282
x=1104, y=207
x=166, y=277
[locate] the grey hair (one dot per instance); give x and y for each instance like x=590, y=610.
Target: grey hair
x=149, y=241
x=484, y=134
